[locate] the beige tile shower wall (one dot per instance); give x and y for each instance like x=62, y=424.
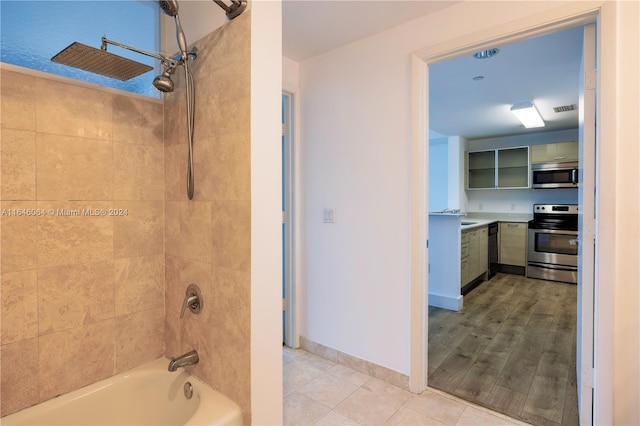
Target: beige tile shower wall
x=208, y=238
x=82, y=295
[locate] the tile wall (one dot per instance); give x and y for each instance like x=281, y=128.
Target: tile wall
x=208, y=238
x=82, y=295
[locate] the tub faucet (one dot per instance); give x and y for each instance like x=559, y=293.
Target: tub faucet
x=189, y=358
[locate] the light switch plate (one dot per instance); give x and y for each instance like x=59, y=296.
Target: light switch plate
x=329, y=216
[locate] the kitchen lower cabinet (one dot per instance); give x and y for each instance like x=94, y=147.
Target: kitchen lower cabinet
x=482, y=247
x=464, y=258
x=513, y=244
x=464, y=272
x=474, y=255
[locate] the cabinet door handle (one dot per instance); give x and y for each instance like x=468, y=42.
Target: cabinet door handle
x=512, y=225
x=559, y=158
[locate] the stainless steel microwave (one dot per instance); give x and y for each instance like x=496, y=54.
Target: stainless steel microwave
x=554, y=175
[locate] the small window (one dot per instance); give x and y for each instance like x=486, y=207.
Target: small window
x=34, y=31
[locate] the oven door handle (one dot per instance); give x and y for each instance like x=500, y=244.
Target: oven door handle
x=553, y=267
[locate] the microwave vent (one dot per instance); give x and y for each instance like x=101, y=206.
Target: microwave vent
x=564, y=108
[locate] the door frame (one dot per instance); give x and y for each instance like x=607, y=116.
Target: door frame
x=290, y=305
x=561, y=18
x=586, y=224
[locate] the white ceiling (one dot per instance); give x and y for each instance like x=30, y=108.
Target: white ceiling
x=543, y=70
x=312, y=27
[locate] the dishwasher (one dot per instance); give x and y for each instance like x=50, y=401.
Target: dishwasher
x=493, y=249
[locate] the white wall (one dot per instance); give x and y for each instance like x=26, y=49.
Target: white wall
x=357, y=269
x=438, y=174
x=356, y=113
x=517, y=200
x=622, y=160
x=446, y=173
x=457, y=195
x=290, y=74
x=266, y=216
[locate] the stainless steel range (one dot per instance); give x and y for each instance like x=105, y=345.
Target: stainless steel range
x=552, y=248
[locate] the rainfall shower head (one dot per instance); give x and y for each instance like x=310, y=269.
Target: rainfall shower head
x=99, y=61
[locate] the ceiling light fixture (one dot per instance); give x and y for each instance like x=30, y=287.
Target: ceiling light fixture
x=478, y=78
x=528, y=115
x=486, y=54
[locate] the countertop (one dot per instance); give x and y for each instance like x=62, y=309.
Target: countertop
x=475, y=223
x=485, y=218
x=501, y=217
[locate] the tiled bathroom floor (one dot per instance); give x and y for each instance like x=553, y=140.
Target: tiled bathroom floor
x=321, y=392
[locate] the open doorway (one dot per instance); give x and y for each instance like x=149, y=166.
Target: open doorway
x=507, y=347
x=288, y=288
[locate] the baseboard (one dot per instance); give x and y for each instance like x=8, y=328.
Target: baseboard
x=511, y=269
x=446, y=302
x=473, y=284
x=374, y=370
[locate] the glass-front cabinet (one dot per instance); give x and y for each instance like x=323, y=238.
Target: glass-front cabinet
x=513, y=167
x=505, y=168
x=482, y=169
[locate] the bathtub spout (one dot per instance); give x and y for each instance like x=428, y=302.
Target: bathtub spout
x=189, y=358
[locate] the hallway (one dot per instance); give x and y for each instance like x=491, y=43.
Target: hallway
x=321, y=392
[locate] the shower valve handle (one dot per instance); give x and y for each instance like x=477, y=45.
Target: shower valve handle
x=192, y=300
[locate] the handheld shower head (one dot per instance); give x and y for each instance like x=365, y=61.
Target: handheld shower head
x=170, y=7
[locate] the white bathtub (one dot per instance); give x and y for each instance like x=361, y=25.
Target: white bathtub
x=146, y=395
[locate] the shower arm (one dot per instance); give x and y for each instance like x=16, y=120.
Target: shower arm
x=169, y=62
x=235, y=9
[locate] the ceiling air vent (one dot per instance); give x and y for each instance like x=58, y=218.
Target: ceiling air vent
x=486, y=54
x=564, y=108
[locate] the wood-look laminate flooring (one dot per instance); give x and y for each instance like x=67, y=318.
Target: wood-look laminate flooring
x=512, y=349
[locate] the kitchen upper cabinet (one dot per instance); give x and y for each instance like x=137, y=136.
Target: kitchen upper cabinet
x=513, y=167
x=505, y=168
x=513, y=244
x=563, y=152
x=481, y=172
